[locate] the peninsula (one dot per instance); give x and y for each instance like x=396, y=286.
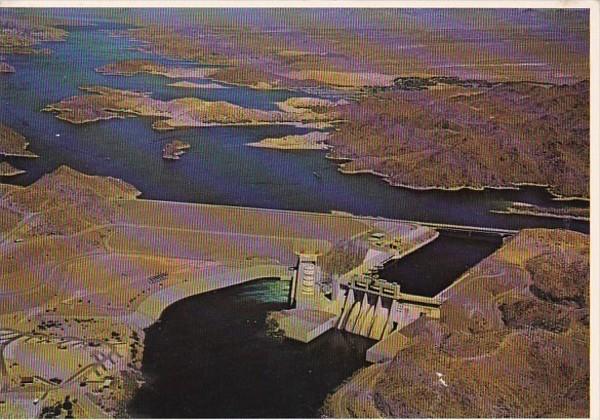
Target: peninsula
x=13, y=143
x=105, y=103
x=462, y=137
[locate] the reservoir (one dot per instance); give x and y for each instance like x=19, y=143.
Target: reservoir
x=219, y=168
x=211, y=355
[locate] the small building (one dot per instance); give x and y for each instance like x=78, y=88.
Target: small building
x=106, y=384
x=26, y=380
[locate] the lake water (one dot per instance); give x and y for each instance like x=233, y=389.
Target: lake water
x=219, y=168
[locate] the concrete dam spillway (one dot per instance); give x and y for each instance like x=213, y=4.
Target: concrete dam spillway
x=360, y=301
x=362, y=318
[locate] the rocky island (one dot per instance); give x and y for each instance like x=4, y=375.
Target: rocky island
x=174, y=149
x=6, y=68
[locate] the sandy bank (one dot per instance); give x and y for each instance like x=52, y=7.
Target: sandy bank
x=191, y=85
x=310, y=141
x=133, y=67
x=6, y=169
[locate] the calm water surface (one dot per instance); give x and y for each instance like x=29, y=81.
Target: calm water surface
x=219, y=168
x=210, y=356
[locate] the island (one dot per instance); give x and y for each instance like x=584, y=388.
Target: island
x=174, y=149
x=311, y=141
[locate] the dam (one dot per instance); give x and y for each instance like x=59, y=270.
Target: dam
x=361, y=302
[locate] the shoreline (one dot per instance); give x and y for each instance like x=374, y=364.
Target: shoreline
x=534, y=214
x=29, y=155
x=150, y=309
x=516, y=186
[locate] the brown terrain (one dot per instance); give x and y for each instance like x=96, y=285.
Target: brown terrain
x=13, y=143
x=513, y=341
x=53, y=198
x=298, y=49
x=457, y=137
x=6, y=169
x=24, y=34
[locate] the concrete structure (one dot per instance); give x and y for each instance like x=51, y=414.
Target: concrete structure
x=357, y=302
x=385, y=350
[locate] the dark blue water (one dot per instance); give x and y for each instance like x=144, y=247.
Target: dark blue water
x=219, y=168
x=453, y=253
x=210, y=356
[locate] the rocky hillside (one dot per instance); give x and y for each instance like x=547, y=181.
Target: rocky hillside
x=513, y=341
x=459, y=136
